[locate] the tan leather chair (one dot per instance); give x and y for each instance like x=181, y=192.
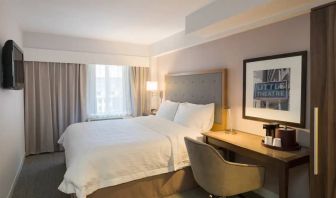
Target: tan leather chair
x=218, y=176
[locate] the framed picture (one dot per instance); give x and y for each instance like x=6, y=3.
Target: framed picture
x=275, y=89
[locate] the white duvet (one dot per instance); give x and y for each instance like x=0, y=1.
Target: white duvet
x=106, y=153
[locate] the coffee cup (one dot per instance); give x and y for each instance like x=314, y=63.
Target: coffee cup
x=277, y=142
x=269, y=140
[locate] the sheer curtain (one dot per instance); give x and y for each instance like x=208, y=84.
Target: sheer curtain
x=109, y=91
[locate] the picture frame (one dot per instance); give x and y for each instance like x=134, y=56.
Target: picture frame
x=274, y=89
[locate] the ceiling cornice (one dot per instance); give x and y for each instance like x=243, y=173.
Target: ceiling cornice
x=181, y=40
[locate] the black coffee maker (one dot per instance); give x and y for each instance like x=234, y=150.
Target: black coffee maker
x=270, y=129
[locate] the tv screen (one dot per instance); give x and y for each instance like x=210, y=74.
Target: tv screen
x=12, y=63
x=18, y=67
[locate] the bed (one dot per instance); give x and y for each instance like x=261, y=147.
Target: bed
x=143, y=156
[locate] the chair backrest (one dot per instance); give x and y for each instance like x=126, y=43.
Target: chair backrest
x=218, y=176
x=207, y=164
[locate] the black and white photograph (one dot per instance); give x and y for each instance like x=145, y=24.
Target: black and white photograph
x=274, y=88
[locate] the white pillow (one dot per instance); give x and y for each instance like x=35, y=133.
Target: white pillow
x=167, y=110
x=196, y=116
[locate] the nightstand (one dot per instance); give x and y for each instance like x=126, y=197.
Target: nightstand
x=147, y=114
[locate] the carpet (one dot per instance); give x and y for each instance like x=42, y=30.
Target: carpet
x=42, y=174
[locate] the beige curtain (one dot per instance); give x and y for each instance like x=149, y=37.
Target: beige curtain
x=140, y=96
x=55, y=97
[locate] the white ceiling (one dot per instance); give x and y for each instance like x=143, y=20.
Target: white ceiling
x=133, y=21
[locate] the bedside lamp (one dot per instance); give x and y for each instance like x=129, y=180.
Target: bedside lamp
x=229, y=120
x=152, y=86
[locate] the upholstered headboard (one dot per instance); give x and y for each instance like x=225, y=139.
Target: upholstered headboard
x=199, y=88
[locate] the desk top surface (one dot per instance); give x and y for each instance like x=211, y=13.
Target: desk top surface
x=253, y=143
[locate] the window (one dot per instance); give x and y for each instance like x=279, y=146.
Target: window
x=109, y=92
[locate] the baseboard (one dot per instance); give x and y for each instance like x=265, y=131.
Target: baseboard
x=10, y=193
x=266, y=193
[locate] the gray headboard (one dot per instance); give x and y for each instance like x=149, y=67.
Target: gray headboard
x=199, y=88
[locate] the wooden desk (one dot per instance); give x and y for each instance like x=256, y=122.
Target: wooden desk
x=249, y=145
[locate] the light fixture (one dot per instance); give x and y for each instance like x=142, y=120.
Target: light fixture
x=229, y=120
x=152, y=86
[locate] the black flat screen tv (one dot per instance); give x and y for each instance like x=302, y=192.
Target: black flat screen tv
x=12, y=66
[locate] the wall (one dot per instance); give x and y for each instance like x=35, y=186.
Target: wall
x=282, y=37
x=57, y=48
x=12, y=115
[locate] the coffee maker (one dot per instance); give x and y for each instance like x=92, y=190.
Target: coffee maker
x=270, y=129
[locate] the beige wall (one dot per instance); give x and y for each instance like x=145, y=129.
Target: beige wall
x=287, y=36
x=11, y=116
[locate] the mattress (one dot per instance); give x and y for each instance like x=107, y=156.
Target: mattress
x=107, y=153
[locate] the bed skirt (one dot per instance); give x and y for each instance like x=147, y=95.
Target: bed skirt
x=151, y=187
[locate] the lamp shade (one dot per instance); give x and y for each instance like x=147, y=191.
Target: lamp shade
x=152, y=86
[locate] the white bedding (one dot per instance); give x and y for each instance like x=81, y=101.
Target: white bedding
x=106, y=153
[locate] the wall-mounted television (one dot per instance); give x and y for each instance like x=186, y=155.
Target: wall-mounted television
x=12, y=66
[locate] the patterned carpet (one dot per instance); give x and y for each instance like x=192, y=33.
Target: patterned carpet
x=41, y=175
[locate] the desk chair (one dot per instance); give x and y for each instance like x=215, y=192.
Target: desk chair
x=219, y=177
